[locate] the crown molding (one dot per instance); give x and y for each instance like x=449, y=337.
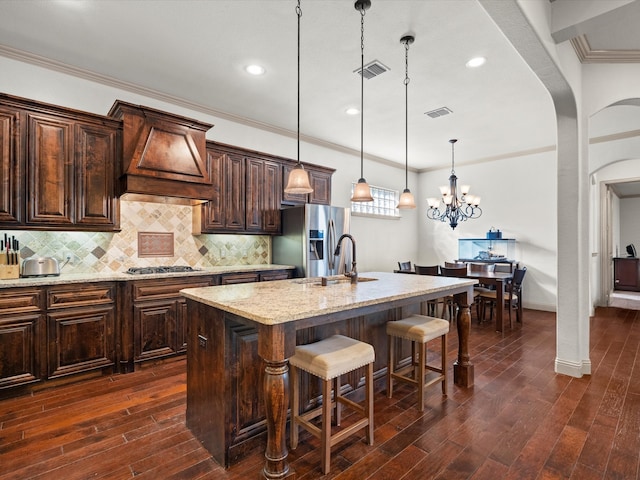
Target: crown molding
x=587, y=55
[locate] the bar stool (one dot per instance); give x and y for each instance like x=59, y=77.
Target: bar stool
x=418, y=329
x=327, y=360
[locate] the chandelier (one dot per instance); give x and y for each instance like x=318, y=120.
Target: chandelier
x=450, y=208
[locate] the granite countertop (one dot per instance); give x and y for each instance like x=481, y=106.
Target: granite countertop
x=272, y=303
x=67, y=278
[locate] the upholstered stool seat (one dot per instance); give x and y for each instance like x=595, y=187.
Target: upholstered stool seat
x=418, y=329
x=327, y=360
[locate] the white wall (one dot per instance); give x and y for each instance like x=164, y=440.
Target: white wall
x=629, y=223
x=519, y=198
x=381, y=243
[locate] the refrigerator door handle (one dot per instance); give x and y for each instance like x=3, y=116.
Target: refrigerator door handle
x=332, y=244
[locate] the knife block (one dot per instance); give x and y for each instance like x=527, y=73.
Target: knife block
x=9, y=271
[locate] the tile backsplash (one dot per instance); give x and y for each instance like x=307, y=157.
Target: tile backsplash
x=104, y=252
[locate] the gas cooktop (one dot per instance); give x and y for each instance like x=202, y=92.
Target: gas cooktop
x=149, y=270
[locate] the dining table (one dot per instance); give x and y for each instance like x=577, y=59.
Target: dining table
x=498, y=279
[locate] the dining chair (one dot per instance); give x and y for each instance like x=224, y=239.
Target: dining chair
x=503, y=267
x=427, y=270
x=455, y=264
x=460, y=272
x=481, y=287
x=404, y=265
x=432, y=305
x=512, y=296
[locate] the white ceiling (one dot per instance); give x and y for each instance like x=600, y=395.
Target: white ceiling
x=194, y=52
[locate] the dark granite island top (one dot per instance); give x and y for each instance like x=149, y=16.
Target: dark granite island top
x=228, y=323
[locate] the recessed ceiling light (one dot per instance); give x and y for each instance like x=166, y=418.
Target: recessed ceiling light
x=352, y=111
x=476, y=62
x=255, y=69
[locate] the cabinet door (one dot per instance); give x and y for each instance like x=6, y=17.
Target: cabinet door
x=321, y=184
x=291, y=198
x=181, y=326
x=20, y=349
x=225, y=212
x=96, y=203
x=272, y=198
x=11, y=166
x=50, y=171
x=154, y=329
x=234, y=195
x=254, y=198
x=626, y=274
x=80, y=339
x=212, y=216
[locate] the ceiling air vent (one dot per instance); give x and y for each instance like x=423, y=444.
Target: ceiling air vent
x=372, y=69
x=439, y=112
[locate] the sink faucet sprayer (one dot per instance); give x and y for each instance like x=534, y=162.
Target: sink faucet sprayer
x=353, y=274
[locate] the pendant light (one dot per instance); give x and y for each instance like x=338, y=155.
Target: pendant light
x=406, y=199
x=362, y=192
x=298, y=182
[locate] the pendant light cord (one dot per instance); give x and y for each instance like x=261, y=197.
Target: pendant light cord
x=299, y=13
x=406, y=114
x=452, y=142
x=362, y=12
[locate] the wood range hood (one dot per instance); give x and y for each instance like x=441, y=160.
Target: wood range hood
x=163, y=156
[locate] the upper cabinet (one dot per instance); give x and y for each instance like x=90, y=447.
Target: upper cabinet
x=320, y=180
x=163, y=154
x=225, y=211
x=247, y=193
x=58, y=167
x=11, y=165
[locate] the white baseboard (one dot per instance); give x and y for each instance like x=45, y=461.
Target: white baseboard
x=573, y=369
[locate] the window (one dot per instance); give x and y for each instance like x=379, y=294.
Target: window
x=383, y=204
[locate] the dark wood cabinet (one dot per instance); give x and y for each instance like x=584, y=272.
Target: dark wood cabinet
x=22, y=337
x=248, y=191
x=80, y=328
x=155, y=326
x=320, y=180
x=225, y=211
x=275, y=275
x=245, y=277
x=11, y=166
x=55, y=331
x=262, y=196
x=63, y=163
x=292, y=198
x=626, y=274
x=321, y=184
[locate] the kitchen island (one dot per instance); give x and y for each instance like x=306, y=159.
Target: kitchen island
x=242, y=336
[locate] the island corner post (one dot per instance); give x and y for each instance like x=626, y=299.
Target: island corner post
x=217, y=388
x=276, y=344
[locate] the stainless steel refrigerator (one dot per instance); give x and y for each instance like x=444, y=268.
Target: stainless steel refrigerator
x=309, y=237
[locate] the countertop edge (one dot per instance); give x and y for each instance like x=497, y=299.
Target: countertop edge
x=91, y=277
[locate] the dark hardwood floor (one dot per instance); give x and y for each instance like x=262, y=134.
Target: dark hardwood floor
x=520, y=421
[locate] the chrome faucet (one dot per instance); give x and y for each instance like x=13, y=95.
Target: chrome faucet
x=353, y=274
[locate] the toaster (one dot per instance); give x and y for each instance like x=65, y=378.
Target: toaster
x=40, y=267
